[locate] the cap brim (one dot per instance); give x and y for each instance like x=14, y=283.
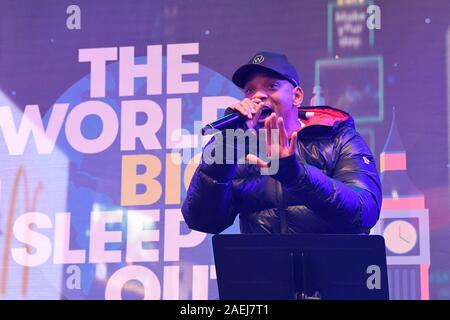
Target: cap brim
x=243, y=74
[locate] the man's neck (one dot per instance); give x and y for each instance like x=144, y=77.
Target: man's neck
x=292, y=125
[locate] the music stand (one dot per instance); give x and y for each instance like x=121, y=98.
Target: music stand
x=304, y=266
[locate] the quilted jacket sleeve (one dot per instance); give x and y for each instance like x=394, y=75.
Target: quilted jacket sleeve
x=208, y=206
x=352, y=192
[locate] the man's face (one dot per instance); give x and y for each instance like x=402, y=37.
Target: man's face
x=277, y=95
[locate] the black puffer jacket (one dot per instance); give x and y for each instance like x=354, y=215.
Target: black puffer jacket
x=330, y=186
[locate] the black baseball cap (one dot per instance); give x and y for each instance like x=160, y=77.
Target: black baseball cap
x=270, y=62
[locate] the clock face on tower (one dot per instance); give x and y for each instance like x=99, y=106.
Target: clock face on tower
x=400, y=236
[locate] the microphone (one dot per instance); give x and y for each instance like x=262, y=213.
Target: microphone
x=232, y=120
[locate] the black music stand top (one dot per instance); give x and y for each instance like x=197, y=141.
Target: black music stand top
x=303, y=266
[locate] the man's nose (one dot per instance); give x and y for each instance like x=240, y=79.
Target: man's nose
x=260, y=94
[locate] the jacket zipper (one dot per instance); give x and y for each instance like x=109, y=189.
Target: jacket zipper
x=281, y=209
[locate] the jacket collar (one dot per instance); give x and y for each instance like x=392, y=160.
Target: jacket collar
x=323, y=119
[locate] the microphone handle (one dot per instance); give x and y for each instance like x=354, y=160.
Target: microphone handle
x=228, y=121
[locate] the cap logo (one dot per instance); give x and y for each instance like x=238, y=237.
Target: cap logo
x=258, y=59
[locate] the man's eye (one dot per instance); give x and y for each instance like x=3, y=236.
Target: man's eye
x=248, y=91
x=273, y=85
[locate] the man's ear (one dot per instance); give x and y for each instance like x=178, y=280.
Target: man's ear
x=298, y=96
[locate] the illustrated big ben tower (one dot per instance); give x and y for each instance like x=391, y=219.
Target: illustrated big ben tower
x=404, y=224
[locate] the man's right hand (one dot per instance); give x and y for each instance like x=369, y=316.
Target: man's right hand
x=251, y=109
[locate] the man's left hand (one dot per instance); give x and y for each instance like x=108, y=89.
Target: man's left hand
x=278, y=144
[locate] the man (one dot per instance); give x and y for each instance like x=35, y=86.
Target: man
x=326, y=182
